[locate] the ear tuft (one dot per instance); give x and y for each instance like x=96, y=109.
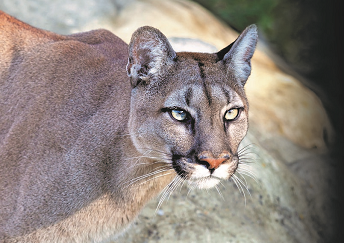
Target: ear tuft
x=149, y=53
x=237, y=56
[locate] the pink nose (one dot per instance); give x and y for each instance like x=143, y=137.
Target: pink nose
x=209, y=158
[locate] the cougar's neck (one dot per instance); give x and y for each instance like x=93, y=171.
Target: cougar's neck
x=129, y=181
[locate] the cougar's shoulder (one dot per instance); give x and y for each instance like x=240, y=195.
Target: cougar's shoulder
x=37, y=65
x=61, y=99
x=44, y=74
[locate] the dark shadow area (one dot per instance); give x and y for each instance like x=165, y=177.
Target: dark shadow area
x=337, y=53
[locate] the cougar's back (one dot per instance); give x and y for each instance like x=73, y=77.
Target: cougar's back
x=53, y=91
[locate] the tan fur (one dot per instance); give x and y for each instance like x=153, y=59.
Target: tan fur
x=83, y=147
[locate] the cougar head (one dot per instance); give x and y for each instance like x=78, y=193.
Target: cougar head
x=190, y=109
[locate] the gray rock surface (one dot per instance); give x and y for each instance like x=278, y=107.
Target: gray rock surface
x=60, y=16
x=289, y=201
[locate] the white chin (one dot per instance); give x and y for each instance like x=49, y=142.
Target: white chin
x=205, y=183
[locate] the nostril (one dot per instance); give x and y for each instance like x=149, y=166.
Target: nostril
x=214, y=163
x=203, y=162
x=207, y=159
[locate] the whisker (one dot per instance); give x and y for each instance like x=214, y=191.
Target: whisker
x=162, y=198
x=143, y=156
x=247, y=167
x=159, y=170
x=249, y=175
x=218, y=190
x=134, y=164
x=129, y=134
x=244, y=179
x=184, y=180
x=236, y=181
x=166, y=192
x=155, y=177
x=247, y=158
x=164, y=163
x=191, y=187
x=154, y=150
x=165, y=188
x=247, y=161
x=170, y=187
x=244, y=185
x=178, y=181
x=146, y=155
x=248, y=172
x=207, y=189
x=246, y=155
x=222, y=184
x=246, y=147
x=246, y=150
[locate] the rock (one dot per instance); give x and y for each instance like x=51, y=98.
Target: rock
x=290, y=200
x=275, y=97
x=60, y=16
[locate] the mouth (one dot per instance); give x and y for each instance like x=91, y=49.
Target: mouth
x=201, y=177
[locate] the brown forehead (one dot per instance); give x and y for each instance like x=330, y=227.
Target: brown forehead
x=200, y=57
x=204, y=59
x=201, y=63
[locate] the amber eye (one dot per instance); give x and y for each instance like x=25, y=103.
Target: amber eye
x=179, y=115
x=231, y=114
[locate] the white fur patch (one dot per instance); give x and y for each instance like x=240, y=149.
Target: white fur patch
x=202, y=179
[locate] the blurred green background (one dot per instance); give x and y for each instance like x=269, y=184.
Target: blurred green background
x=295, y=29
x=240, y=13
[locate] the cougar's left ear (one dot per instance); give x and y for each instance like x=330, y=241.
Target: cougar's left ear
x=149, y=52
x=237, y=56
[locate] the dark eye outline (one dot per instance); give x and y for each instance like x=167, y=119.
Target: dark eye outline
x=236, y=117
x=171, y=109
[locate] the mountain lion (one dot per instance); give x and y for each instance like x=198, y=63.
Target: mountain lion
x=91, y=129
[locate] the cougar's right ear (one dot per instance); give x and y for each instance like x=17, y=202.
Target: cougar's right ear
x=149, y=53
x=237, y=56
